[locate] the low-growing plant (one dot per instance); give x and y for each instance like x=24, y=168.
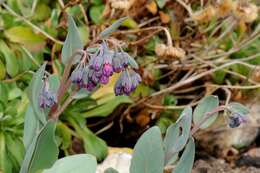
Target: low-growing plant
x=85, y=71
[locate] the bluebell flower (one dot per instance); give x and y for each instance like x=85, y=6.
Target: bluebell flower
x=46, y=98
x=127, y=82
x=236, y=119
x=120, y=61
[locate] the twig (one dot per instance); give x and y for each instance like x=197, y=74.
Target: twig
x=30, y=56
x=192, y=79
x=105, y=128
x=148, y=21
x=247, y=87
x=12, y=12
x=84, y=13
x=16, y=77
x=188, y=8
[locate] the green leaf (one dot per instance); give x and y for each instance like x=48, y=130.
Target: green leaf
x=2, y=70
x=43, y=151
x=161, y=3
x=111, y=170
x=235, y=107
x=95, y=13
x=80, y=163
x=92, y=144
x=84, y=34
x=34, y=92
x=148, y=155
x=177, y=135
x=112, y=28
x=25, y=35
x=72, y=42
x=206, y=105
x=185, y=163
x=63, y=131
x=15, y=148
x=14, y=93
x=169, y=100
x=42, y=12
x=31, y=127
x=107, y=108
x=3, y=93
x=5, y=165
x=219, y=76
x=130, y=23
x=11, y=62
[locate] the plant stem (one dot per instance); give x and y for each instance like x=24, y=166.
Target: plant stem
x=206, y=117
x=65, y=76
x=56, y=115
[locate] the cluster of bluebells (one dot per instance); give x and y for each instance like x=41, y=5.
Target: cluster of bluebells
x=101, y=66
x=46, y=98
x=236, y=119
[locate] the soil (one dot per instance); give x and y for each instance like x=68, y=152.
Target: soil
x=220, y=166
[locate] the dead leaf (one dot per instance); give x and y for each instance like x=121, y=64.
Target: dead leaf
x=152, y=7
x=165, y=18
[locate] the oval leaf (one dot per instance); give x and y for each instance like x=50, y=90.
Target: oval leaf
x=34, y=92
x=12, y=66
x=72, y=42
x=238, y=108
x=80, y=163
x=185, y=163
x=148, y=155
x=177, y=136
x=31, y=127
x=43, y=151
x=206, y=105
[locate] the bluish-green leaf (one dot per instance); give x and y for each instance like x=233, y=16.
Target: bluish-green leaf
x=72, y=42
x=43, y=151
x=132, y=62
x=235, y=107
x=111, y=170
x=80, y=163
x=185, y=163
x=148, y=156
x=34, y=92
x=31, y=127
x=112, y=28
x=177, y=135
x=206, y=105
x=161, y=3
x=54, y=82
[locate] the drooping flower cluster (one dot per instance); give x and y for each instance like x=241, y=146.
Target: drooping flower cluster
x=46, y=98
x=101, y=66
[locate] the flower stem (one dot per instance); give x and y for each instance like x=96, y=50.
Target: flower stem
x=206, y=117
